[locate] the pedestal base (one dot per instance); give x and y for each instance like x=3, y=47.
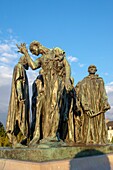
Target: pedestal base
x=62, y=158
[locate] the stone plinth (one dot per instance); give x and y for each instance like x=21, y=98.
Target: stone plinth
x=53, y=154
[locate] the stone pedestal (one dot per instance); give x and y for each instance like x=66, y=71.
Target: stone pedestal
x=62, y=158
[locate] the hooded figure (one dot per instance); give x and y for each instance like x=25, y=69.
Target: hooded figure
x=17, y=125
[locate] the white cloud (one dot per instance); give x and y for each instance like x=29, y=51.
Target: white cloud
x=3, y=59
x=109, y=88
x=72, y=59
x=8, y=54
x=8, y=48
x=5, y=75
x=4, y=48
x=111, y=83
x=8, y=58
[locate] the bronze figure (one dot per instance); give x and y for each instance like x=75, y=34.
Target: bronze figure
x=17, y=126
x=56, y=76
x=93, y=103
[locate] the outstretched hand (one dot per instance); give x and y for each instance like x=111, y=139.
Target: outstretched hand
x=22, y=48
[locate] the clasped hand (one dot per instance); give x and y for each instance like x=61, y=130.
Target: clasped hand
x=90, y=113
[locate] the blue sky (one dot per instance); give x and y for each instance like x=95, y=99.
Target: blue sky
x=82, y=28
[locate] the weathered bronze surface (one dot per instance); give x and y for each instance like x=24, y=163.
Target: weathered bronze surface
x=17, y=126
x=51, y=107
x=92, y=103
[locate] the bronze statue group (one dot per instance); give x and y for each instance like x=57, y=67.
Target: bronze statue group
x=60, y=111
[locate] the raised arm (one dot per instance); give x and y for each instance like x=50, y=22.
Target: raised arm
x=33, y=64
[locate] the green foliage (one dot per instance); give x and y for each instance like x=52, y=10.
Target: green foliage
x=4, y=141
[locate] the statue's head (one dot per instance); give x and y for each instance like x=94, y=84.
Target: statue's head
x=24, y=62
x=41, y=71
x=92, y=69
x=34, y=47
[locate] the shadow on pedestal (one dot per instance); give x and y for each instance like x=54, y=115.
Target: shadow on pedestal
x=90, y=159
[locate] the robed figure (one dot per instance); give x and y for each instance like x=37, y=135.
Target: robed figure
x=94, y=104
x=17, y=125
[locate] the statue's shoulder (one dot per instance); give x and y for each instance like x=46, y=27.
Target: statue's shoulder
x=85, y=78
x=48, y=55
x=18, y=66
x=99, y=78
x=85, y=81
x=101, y=81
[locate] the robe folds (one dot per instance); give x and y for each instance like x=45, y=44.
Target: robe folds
x=18, y=112
x=94, y=101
